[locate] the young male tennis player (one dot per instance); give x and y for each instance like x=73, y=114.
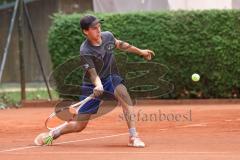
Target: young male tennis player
x=99, y=64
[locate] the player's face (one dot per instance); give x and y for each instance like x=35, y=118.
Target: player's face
x=94, y=32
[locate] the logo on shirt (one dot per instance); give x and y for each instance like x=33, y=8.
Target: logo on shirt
x=109, y=46
x=86, y=66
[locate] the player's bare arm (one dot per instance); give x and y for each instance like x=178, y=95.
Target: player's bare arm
x=124, y=46
x=98, y=90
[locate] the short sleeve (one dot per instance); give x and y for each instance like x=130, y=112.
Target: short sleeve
x=86, y=62
x=111, y=37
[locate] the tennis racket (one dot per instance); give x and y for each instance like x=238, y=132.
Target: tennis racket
x=65, y=111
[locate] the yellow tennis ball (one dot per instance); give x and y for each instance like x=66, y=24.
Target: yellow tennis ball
x=195, y=77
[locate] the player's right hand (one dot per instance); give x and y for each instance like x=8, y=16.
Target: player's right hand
x=98, y=90
x=147, y=54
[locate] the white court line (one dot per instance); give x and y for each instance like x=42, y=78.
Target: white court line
x=80, y=140
x=89, y=139
x=19, y=148
x=194, y=125
x=77, y=152
x=163, y=129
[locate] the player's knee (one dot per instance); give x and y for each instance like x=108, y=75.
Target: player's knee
x=123, y=95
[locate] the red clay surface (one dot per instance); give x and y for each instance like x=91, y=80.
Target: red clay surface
x=211, y=132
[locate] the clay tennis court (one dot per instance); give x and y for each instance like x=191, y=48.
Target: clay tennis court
x=206, y=130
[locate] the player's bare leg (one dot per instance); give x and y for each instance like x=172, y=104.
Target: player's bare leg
x=123, y=97
x=70, y=127
x=73, y=126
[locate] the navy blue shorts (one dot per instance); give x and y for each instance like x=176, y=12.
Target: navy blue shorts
x=109, y=85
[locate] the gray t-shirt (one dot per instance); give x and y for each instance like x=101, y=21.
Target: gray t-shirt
x=99, y=57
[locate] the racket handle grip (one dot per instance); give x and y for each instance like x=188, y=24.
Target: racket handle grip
x=83, y=101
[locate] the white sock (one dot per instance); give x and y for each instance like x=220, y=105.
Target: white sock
x=57, y=131
x=133, y=132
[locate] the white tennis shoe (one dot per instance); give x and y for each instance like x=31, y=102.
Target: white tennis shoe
x=42, y=139
x=136, y=142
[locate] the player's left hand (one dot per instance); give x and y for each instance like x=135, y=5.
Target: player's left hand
x=147, y=54
x=98, y=90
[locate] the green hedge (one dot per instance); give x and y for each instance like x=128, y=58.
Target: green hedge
x=187, y=42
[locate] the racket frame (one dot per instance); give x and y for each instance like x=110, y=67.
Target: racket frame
x=77, y=106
